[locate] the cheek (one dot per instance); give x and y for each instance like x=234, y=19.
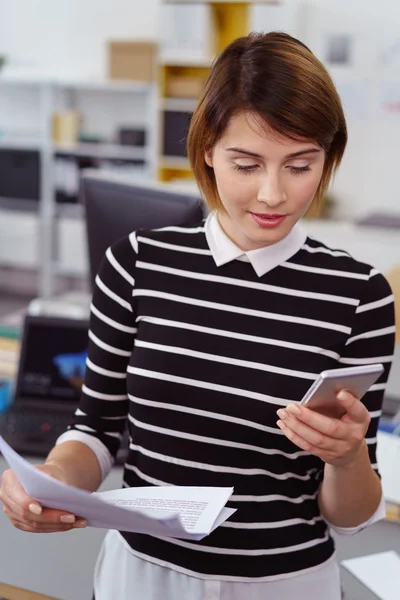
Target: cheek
x=303, y=191
x=234, y=191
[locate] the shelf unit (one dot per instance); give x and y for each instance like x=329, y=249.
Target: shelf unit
x=218, y=23
x=50, y=94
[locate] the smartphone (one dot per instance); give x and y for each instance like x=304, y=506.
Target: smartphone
x=321, y=396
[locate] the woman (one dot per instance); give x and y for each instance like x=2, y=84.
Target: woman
x=205, y=339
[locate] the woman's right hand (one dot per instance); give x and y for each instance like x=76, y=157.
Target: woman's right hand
x=27, y=514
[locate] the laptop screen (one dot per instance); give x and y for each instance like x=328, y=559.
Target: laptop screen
x=53, y=359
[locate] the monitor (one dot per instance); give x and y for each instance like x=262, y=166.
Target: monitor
x=115, y=207
x=53, y=360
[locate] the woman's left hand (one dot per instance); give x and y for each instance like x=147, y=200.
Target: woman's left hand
x=338, y=442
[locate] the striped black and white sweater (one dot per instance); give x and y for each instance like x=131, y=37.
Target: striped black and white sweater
x=197, y=358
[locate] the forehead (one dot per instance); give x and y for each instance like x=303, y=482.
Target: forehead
x=249, y=132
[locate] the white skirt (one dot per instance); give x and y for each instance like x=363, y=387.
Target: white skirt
x=121, y=575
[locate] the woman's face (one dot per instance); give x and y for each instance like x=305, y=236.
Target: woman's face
x=266, y=182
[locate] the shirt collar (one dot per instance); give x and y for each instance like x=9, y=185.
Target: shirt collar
x=262, y=260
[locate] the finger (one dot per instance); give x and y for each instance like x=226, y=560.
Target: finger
x=47, y=515
x=315, y=439
x=13, y=491
x=42, y=527
x=324, y=454
x=294, y=437
x=326, y=425
x=355, y=409
x=31, y=527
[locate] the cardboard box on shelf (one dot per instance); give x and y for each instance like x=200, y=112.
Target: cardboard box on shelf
x=184, y=87
x=132, y=60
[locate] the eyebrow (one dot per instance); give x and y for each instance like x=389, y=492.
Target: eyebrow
x=292, y=155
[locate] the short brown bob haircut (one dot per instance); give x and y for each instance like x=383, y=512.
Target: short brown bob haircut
x=278, y=78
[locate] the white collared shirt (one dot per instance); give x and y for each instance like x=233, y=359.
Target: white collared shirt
x=265, y=259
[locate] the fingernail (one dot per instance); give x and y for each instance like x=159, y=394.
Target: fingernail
x=281, y=424
x=35, y=509
x=80, y=524
x=342, y=395
x=282, y=413
x=67, y=519
x=293, y=408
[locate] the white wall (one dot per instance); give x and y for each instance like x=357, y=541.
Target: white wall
x=368, y=178
x=70, y=35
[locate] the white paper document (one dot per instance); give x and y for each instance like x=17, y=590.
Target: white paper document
x=378, y=572
x=169, y=511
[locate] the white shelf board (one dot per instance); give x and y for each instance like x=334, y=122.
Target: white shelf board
x=37, y=78
x=106, y=151
x=21, y=143
x=106, y=85
x=184, y=61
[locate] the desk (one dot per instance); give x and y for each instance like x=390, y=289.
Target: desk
x=9, y=592
x=61, y=565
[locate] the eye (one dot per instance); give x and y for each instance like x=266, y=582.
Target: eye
x=246, y=169
x=299, y=170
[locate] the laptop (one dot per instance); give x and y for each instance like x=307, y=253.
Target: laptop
x=50, y=376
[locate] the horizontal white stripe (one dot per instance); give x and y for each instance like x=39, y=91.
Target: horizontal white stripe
x=377, y=387
x=372, y=334
x=134, y=242
x=101, y=396
x=371, y=441
x=321, y=271
x=111, y=322
x=374, y=414
x=242, y=552
x=377, y=304
x=205, y=413
x=98, y=448
x=229, y=578
x=274, y=498
x=217, y=442
x=113, y=261
x=240, y=309
x=272, y=525
x=181, y=229
x=145, y=477
x=225, y=389
x=192, y=464
x=101, y=285
x=239, y=336
x=375, y=466
x=93, y=367
x=366, y=361
x=313, y=250
x=109, y=433
x=107, y=347
x=250, y=285
x=226, y=360
x=80, y=413
x=373, y=273
x=175, y=247
x=234, y=497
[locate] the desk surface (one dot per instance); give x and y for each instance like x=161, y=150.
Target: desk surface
x=9, y=592
x=61, y=565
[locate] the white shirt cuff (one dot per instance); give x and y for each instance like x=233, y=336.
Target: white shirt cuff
x=378, y=515
x=101, y=451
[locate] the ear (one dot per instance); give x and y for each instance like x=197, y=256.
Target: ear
x=208, y=158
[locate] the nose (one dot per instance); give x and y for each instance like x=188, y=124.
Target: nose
x=271, y=191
